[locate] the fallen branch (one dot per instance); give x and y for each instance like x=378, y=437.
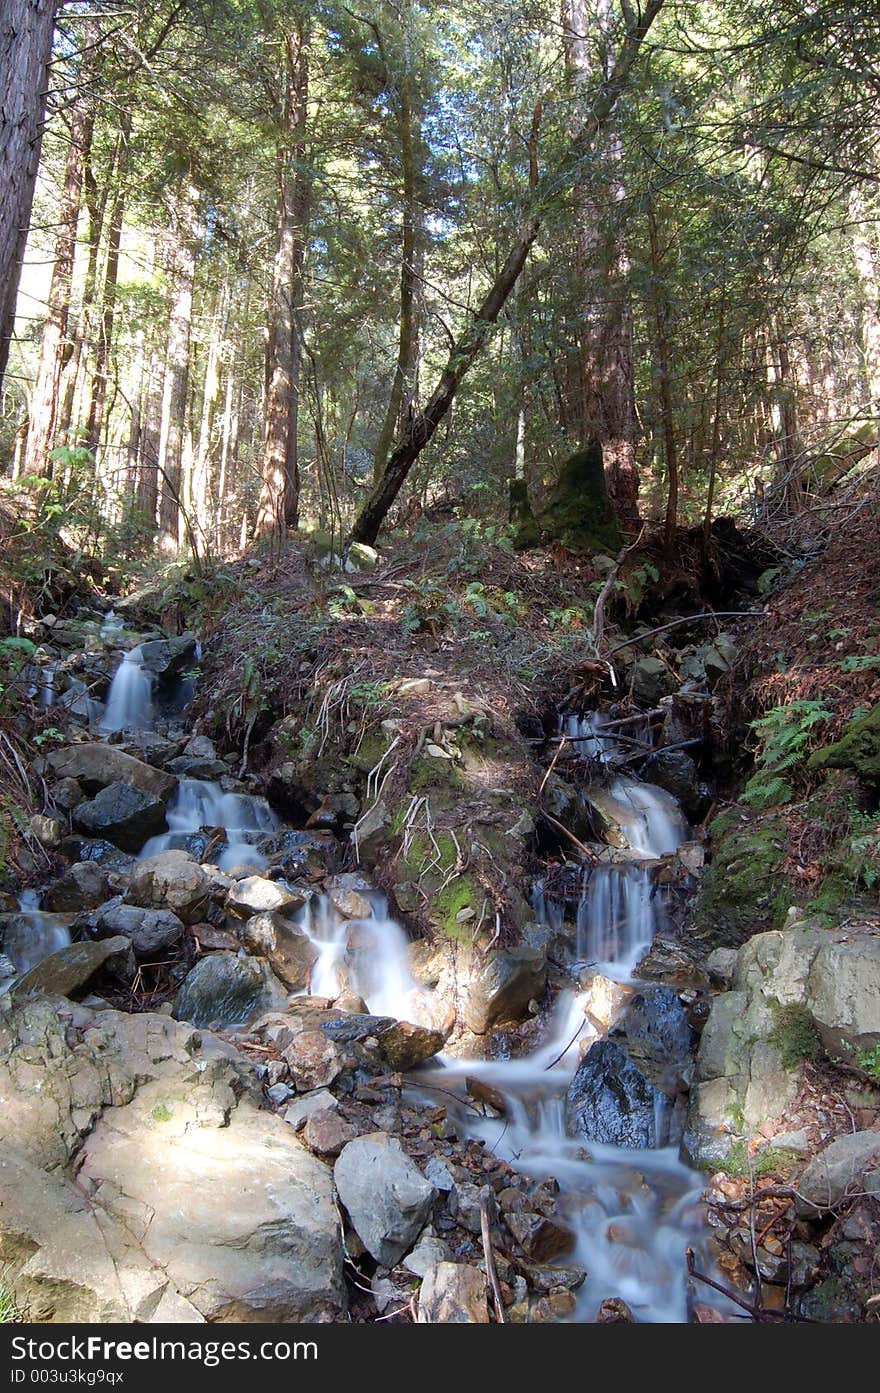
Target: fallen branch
x=486, y=1233
x=688, y=619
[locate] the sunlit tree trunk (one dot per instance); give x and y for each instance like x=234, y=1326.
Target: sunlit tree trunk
x=26, y=29
x=866, y=249
x=663, y=373
x=98, y=395
x=45, y=397
x=176, y=386
x=279, y=499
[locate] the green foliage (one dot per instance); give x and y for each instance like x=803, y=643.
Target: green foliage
x=869, y=1062
x=794, y=1034
x=574, y=617
x=766, y=791
x=786, y=737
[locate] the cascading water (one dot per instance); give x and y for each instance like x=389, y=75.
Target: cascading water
x=34, y=934
x=130, y=699
x=199, y=804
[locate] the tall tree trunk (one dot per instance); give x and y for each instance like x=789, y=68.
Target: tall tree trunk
x=279, y=498
x=662, y=316
x=148, y=437
x=26, y=29
x=605, y=390
x=419, y=429
x=403, y=387
x=95, y=198
x=715, y=447
x=866, y=250
x=201, y=483
x=45, y=398
x=98, y=395
x=176, y=386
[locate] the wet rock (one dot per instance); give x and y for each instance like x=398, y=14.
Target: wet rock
x=614, y=1311
x=149, y=930
x=257, y=895
x=540, y=1238
x=404, y=1046
x=675, y=771
x=669, y=961
x=651, y=680
x=169, y=657
x=288, y=950
x=656, y=1034
x=85, y=886
x=171, y=880
x=97, y=851
x=848, y=1163
x=387, y=1198
x=545, y=1279
x=743, y=891
x=348, y=894
x=502, y=990
x=609, y=1100
x=94, y=766
x=125, y=815
x=48, y=831
x=227, y=989
x=189, y=767
x=453, y=1293
x=70, y=969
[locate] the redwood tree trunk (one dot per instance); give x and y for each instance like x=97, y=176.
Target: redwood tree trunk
x=279, y=498
x=175, y=391
x=605, y=386
x=45, y=398
x=98, y=395
x=26, y=29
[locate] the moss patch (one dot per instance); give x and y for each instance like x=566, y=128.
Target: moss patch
x=579, y=513
x=743, y=891
x=858, y=749
x=794, y=1034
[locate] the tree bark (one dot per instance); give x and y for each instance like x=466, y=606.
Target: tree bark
x=176, y=385
x=662, y=314
x=98, y=395
x=279, y=498
x=419, y=429
x=26, y=29
x=403, y=388
x=605, y=390
x=45, y=398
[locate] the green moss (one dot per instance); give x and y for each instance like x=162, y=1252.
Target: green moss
x=369, y=752
x=794, y=1034
x=426, y=773
x=858, y=749
x=579, y=513
x=526, y=531
x=743, y=891
x=160, y=1113
x=445, y=901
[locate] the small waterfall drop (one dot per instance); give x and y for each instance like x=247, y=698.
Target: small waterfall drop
x=32, y=934
x=200, y=804
x=367, y=957
x=130, y=699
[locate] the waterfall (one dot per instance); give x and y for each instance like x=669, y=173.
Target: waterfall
x=199, y=803
x=368, y=957
x=130, y=699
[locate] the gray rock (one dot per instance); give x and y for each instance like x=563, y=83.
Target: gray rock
x=94, y=766
x=228, y=989
x=453, y=1293
x=84, y=886
x=189, y=767
x=65, y=794
x=651, y=680
x=387, y=1198
x=149, y=930
x=70, y=969
x=97, y=851
x=502, y=990
x=427, y=1253
x=439, y=1174
x=288, y=950
x=169, y=657
x=257, y=895
x=125, y=815
x=675, y=771
x=848, y=1163
x=171, y=880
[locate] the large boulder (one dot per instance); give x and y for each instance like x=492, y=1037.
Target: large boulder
x=257, y=895
x=502, y=989
x=94, y=766
x=169, y=657
x=70, y=969
x=387, y=1198
x=227, y=989
x=609, y=1100
x=850, y=1163
x=288, y=950
x=171, y=880
x=150, y=931
x=125, y=815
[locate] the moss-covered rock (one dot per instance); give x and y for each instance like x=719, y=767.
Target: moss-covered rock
x=526, y=531
x=579, y=513
x=743, y=891
x=858, y=749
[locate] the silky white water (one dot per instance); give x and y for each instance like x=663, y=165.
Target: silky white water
x=130, y=699
x=34, y=934
x=198, y=804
